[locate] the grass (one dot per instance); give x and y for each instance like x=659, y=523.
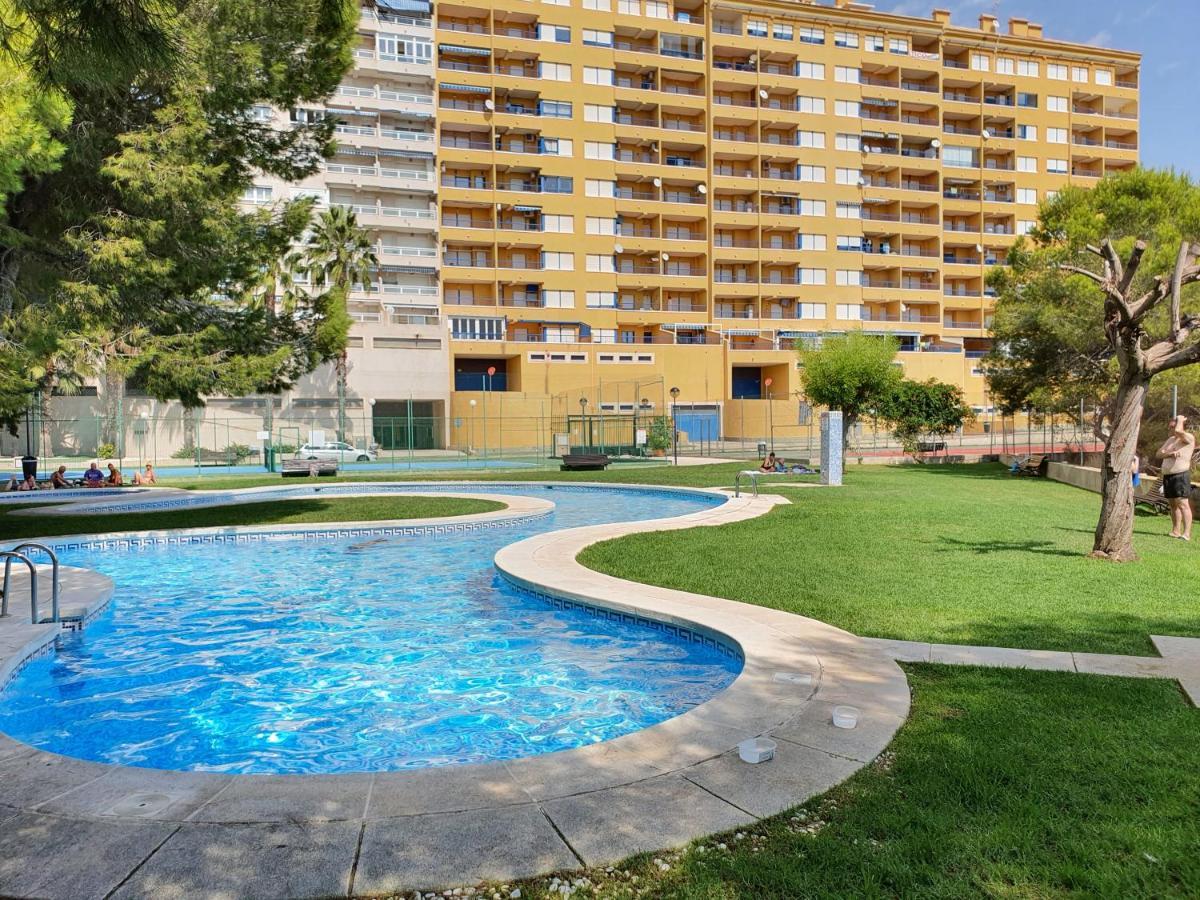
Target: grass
x=953, y=554
x=1002, y=784
x=276, y=512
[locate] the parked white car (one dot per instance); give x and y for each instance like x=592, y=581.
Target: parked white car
x=339, y=451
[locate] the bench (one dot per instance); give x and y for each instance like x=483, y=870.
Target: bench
x=931, y=446
x=299, y=468
x=1031, y=465
x=584, y=462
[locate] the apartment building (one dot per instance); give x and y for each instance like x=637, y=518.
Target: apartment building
x=682, y=191
x=385, y=170
x=686, y=189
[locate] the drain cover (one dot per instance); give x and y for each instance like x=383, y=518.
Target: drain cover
x=143, y=803
x=793, y=677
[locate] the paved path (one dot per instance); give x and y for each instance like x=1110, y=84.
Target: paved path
x=1180, y=659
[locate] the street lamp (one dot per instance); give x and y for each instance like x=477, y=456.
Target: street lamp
x=471, y=429
x=675, y=422
x=770, y=412
x=490, y=372
x=584, y=431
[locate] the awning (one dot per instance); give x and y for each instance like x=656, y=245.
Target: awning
x=536, y=209
x=751, y=331
x=344, y=150
x=466, y=51
x=785, y=333
x=686, y=326
x=404, y=6
x=407, y=154
x=343, y=111
x=468, y=88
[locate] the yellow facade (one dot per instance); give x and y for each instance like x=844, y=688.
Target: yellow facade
x=634, y=190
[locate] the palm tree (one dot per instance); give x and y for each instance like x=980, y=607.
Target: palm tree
x=340, y=256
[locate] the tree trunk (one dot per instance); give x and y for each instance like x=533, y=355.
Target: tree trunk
x=1114, y=531
x=340, y=367
x=114, y=403
x=848, y=423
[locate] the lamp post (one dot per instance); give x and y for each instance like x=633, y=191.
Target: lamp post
x=471, y=429
x=675, y=422
x=770, y=412
x=484, y=440
x=584, y=437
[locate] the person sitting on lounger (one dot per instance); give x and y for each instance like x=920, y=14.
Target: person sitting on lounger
x=93, y=477
x=114, y=478
x=768, y=464
x=29, y=484
x=147, y=477
x=59, y=478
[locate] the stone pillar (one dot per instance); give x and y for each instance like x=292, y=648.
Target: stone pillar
x=831, y=447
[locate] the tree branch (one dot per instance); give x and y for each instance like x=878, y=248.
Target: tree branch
x=1135, y=260
x=1186, y=250
x=1086, y=273
x=1112, y=263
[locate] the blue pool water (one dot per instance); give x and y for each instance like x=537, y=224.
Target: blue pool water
x=354, y=654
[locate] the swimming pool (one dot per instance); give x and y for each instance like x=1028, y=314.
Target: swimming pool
x=352, y=654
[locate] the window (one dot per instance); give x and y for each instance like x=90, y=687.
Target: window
x=604, y=335
x=600, y=5
x=1006, y=66
x=1029, y=101
x=898, y=45
x=600, y=263
x=554, y=109
x=1056, y=135
x=845, y=39
x=1026, y=164
x=756, y=28
x=849, y=210
x=559, y=34
x=782, y=32
x=980, y=62
x=262, y=114
x=559, y=299
x=557, y=184
x=849, y=312
x=812, y=310
x=846, y=74
x=594, y=113
x=597, y=150
x=597, y=38
x=554, y=71
x=960, y=157
x=595, y=188
x=601, y=225
x=558, y=147
x=811, y=207
x=1079, y=74
x=1024, y=226
x=258, y=194
x=592, y=75
x=811, y=276
x=559, y=334
x=1050, y=195
x=1104, y=77
x=814, y=174
x=814, y=105
x=812, y=35
x=1056, y=72
x=850, y=242
x=810, y=242
x=558, y=262
x=873, y=42
x=849, y=142
x=559, y=224
x=810, y=70
x=815, y=139
x=1056, y=166
x=849, y=277
x=848, y=108
x=656, y=9
x=464, y=329
x=1028, y=68
x=601, y=300
x=1056, y=104
x=1027, y=132
x=1027, y=196
x=629, y=7
x=848, y=176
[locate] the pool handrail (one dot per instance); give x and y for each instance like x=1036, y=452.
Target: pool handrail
x=33, y=545
x=9, y=556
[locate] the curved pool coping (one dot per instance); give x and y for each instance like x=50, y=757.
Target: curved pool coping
x=168, y=833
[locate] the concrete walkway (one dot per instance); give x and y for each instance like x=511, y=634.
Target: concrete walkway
x=1180, y=659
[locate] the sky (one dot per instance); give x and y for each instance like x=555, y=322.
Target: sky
x=1165, y=32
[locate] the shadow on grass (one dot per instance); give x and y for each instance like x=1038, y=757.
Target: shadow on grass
x=986, y=471
x=1042, y=548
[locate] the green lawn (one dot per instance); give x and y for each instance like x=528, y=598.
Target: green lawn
x=1002, y=784
x=953, y=554
x=276, y=512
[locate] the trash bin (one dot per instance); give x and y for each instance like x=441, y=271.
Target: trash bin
x=29, y=466
x=269, y=458
x=762, y=448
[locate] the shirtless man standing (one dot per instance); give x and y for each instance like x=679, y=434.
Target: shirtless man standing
x=1176, y=473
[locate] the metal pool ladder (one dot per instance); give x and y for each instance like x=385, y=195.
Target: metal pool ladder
x=15, y=553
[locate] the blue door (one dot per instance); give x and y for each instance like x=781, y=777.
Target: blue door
x=698, y=423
